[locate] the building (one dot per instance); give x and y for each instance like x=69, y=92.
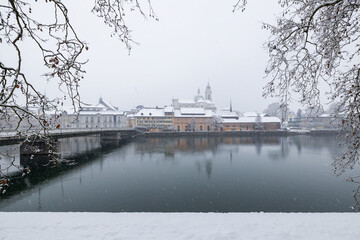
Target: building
x=194, y=119
x=102, y=115
x=154, y=119
x=198, y=101
x=322, y=122
x=198, y=114
x=259, y=122
x=228, y=113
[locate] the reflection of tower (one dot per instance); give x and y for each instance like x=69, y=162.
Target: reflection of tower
x=208, y=92
x=258, y=145
x=258, y=122
x=209, y=167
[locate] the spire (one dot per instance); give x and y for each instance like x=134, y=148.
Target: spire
x=198, y=91
x=230, y=105
x=208, y=92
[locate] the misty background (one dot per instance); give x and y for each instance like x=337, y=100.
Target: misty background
x=193, y=43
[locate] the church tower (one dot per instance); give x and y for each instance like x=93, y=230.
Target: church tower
x=198, y=96
x=208, y=92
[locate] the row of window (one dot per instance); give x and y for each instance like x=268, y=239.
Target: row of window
x=201, y=128
x=153, y=118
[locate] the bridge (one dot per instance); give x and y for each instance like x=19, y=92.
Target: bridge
x=42, y=150
x=11, y=137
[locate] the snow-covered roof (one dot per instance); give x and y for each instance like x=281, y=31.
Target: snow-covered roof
x=240, y=120
x=106, y=105
x=93, y=108
x=192, y=111
x=205, y=113
x=151, y=112
x=227, y=113
x=168, y=109
x=204, y=101
x=186, y=101
x=107, y=112
x=270, y=119
x=250, y=114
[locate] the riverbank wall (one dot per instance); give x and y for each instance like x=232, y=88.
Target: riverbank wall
x=242, y=133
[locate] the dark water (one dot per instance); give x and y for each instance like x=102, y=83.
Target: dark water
x=227, y=174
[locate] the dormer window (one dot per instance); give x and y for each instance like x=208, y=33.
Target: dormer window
x=142, y=114
x=150, y=114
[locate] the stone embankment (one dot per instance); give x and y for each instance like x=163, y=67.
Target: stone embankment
x=242, y=133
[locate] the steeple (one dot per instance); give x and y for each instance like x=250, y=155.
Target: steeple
x=198, y=96
x=208, y=92
x=230, y=106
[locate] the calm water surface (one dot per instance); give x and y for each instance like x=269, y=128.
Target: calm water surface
x=217, y=174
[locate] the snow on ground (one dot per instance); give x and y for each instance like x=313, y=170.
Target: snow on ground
x=169, y=226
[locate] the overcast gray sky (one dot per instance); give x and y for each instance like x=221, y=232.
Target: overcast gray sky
x=194, y=42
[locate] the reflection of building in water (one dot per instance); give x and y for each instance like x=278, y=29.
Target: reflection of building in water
x=171, y=145
x=204, y=165
x=198, y=144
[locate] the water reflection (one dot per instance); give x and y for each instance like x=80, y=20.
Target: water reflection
x=276, y=147
x=190, y=174
x=169, y=146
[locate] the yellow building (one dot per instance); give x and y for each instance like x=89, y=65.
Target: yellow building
x=251, y=123
x=154, y=119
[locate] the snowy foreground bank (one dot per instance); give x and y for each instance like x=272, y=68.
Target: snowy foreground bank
x=180, y=226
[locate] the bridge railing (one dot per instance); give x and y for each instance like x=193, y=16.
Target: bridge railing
x=9, y=134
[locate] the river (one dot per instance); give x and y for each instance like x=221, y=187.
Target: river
x=190, y=174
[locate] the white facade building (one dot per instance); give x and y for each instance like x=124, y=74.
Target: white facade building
x=198, y=101
x=102, y=115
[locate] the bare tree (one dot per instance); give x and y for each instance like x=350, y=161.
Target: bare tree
x=273, y=109
x=23, y=107
x=315, y=42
